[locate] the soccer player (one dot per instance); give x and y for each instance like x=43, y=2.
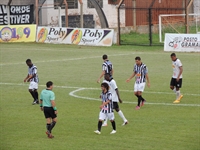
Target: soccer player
x=32, y=77
x=48, y=106
x=107, y=67
x=176, y=80
x=140, y=72
x=106, y=109
x=115, y=98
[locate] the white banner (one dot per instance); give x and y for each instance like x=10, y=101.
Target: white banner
x=182, y=42
x=78, y=36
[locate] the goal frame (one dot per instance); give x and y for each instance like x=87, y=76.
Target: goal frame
x=170, y=15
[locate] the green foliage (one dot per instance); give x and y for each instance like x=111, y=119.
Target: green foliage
x=159, y=125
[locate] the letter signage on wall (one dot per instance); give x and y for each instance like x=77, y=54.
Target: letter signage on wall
x=18, y=14
x=182, y=42
x=78, y=36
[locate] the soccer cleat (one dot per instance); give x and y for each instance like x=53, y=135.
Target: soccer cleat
x=137, y=107
x=143, y=103
x=179, y=99
x=176, y=102
x=125, y=123
x=50, y=136
x=113, y=132
x=34, y=102
x=97, y=132
x=104, y=125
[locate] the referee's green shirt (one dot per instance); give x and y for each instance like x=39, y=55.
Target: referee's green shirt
x=47, y=96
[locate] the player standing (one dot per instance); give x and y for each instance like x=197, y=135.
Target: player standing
x=176, y=80
x=48, y=106
x=115, y=98
x=107, y=67
x=140, y=72
x=32, y=77
x=106, y=109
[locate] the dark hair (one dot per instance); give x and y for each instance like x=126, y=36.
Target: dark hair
x=137, y=58
x=105, y=85
x=105, y=57
x=173, y=54
x=49, y=83
x=28, y=60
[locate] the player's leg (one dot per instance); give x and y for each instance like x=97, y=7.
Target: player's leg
x=105, y=123
x=120, y=113
x=141, y=89
x=32, y=88
x=36, y=92
x=173, y=85
x=111, y=117
x=48, y=120
x=102, y=116
x=178, y=92
x=53, y=123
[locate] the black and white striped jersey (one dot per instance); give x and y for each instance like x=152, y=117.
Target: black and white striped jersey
x=109, y=107
x=107, y=67
x=140, y=73
x=33, y=71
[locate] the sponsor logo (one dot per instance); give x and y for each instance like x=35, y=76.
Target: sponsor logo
x=42, y=35
x=6, y=34
x=76, y=36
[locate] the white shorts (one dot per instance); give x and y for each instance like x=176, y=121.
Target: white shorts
x=33, y=86
x=103, y=116
x=139, y=87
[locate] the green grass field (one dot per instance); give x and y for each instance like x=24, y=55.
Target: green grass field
x=159, y=125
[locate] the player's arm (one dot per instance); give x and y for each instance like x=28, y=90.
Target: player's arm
x=181, y=71
x=53, y=104
x=112, y=72
x=148, y=81
x=129, y=79
x=117, y=91
x=26, y=78
x=105, y=103
x=102, y=74
x=41, y=106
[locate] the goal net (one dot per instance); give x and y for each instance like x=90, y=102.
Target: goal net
x=175, y=23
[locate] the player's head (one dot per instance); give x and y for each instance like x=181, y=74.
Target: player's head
x=104, y=87
x=138, y=60
x=173, y=56
x=28, y=62
x=104, y=57
x=107, y=76
x=49, y=85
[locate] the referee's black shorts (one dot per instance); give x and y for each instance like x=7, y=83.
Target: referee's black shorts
x=175, y=83
x=115, y=105
x=49, y=112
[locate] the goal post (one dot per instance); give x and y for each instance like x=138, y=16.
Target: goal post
x=175, y=23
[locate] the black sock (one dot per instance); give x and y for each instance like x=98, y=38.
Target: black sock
x=139, y=100
x=33, y=94
x=36, y=95
x=51, y=126
x=113, y=125
x=99, y=125
x=48, y=127
x=142, y=98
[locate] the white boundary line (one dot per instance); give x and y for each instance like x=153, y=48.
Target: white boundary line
x=72, y=93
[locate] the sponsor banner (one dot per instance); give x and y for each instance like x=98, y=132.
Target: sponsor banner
x=182, y=42
x=18, y=14
x=18, y=33
x=94, y=37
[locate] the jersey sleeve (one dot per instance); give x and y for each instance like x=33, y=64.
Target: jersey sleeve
x=109, y=96
x=52, y=96
x=134, y=68
x=104, y=67
x=114, y=85
x=145, y=70
x=179, y=64
x=34, y=70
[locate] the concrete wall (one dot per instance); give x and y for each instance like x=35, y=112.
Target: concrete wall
x=50, y=15
x=196, y=5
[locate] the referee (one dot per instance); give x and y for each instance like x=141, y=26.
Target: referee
x=48, y=106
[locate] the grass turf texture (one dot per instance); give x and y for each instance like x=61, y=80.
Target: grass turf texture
x=155, y=126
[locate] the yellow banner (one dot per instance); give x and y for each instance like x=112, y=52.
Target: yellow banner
x=18, y=33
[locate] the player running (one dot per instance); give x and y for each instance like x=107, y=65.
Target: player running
x=106, y=109
x=115, y=99
x=48, y=106
x=176, y=80
x=140, y=72
x=107, y=67
x=32, y=77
